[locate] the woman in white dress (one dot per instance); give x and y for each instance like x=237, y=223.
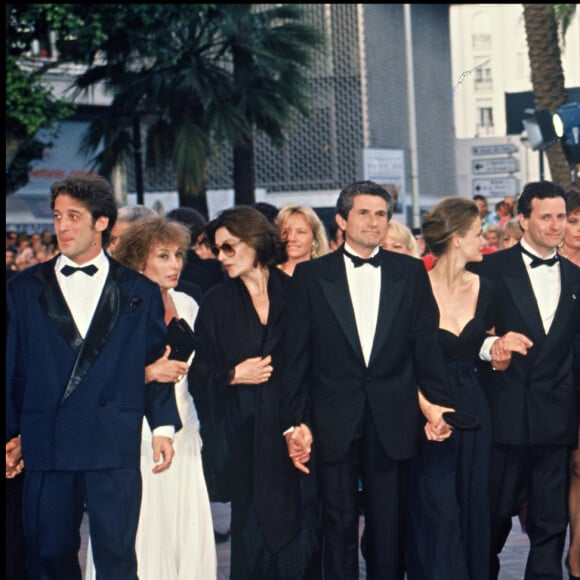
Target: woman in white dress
x=175, y=538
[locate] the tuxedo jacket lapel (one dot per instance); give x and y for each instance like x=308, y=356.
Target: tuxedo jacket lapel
x=102, y=323
x=335, y=289
x=522, y=294
x=392, y=289
x=52, y=300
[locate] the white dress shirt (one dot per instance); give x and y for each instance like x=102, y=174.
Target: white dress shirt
x=81, y=291
x=546, y=284
x=364, y=284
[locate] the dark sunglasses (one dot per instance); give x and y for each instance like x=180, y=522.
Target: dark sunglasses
x=229, y=249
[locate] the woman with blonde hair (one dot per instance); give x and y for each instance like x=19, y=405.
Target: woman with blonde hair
x=400, y=239
x=304, y=234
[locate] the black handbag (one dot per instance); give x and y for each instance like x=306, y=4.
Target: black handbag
x=181, y=339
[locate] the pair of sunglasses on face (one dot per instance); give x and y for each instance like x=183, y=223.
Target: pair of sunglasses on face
x=229, y=249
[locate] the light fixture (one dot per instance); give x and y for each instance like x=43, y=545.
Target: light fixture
x=539, y=128
x=566, y=123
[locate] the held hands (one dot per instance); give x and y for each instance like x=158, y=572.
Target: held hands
x=162, y=451
x=436, y=429
x=299, y=443
x=164, y=370
x=14, y=461
x=503, y=348
x=253, y=371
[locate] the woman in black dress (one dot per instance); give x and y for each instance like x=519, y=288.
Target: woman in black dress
x=239, y=328
x=449, y=505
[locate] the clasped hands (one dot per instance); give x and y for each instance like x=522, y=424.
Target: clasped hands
x=503, y=348
x=299, y=443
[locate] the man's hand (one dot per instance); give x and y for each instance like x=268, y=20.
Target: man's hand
x=299, y=443
x=436, y=429
x=14, y=461
x=503, y=348
x=162, y=451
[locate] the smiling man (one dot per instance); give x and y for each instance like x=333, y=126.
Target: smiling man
x=534, y=423
x=362, y=334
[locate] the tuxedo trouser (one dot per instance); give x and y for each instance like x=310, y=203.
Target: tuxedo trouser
x=384, y=490
x=539, y=475
x=54, y=502
x=15, y=552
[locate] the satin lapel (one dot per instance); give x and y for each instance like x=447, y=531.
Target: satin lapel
x=103, y=321
x=565, y=309
x=392, y=291
x=335, y=289
x=53, y=302
x=519, y=286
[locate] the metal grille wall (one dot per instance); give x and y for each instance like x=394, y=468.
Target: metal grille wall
x=320, y=152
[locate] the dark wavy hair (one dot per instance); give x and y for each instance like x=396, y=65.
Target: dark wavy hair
x=94, y=192
x=254, y=229
x=538, y=190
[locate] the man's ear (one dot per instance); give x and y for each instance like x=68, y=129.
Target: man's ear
x=101, y=223
x=340, y=221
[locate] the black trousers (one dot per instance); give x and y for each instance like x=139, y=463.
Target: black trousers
x=539, y=474
x=15, y=554
x=384, y=494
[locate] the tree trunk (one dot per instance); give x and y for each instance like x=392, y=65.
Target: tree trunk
x=244, y=175
x=547, y=77
x=197, y=201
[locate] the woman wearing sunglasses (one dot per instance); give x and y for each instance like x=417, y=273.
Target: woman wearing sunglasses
x=240, y=328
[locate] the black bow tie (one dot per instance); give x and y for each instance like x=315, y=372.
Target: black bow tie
x=357, y=261
x=88, y=270
x=539, y=261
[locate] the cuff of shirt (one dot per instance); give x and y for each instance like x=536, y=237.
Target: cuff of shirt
x=164, y=431
x=485, y=350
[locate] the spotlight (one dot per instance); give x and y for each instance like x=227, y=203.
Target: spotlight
x=566, y=122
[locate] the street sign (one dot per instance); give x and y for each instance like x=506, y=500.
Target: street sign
x=494, y=165
x=496, y=186
x=494, y=149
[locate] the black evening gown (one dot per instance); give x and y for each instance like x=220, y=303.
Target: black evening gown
x=449, y=496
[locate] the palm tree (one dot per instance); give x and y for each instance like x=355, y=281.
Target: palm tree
x=272, y=48
x=164, y=67
x=548, y=87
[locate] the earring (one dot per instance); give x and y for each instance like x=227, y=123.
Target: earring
x=315, y=249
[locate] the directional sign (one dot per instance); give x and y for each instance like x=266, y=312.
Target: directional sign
x=496, y=186
x=494, y=165
x=494, y=149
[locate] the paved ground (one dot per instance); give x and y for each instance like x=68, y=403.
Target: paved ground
x=513, y=557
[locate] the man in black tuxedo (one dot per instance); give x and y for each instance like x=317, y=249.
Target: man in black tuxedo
x=361, y=339
x=532, y=402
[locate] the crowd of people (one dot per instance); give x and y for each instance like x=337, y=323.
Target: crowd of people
x=425, y=378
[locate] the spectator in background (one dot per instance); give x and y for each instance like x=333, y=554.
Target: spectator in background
x=304, y=234
x=486, y=216
x=512, y=234
x=267, y=209
x=127, y=215
x=400, y=239
x=492, y=234
x=203, y=272
x=335, y=236
x=503, y=213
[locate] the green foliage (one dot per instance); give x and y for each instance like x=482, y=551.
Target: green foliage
x=563, y=14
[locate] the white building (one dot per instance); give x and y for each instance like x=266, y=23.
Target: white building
x=489, y=58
